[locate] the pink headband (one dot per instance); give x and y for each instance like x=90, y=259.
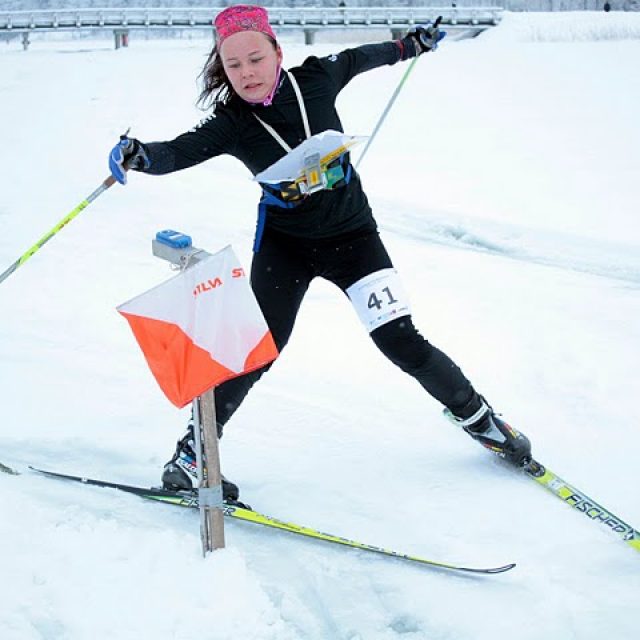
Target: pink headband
x=242, y=17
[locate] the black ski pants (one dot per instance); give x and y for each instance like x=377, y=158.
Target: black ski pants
x=280, y=276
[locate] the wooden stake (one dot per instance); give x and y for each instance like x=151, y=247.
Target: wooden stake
x=210, y=491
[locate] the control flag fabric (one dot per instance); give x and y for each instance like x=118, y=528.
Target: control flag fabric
x=200, y=328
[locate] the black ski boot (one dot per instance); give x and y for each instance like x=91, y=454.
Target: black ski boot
x=181, y=472
x=484, y=426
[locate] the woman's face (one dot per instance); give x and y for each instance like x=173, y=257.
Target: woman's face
x=251, y=63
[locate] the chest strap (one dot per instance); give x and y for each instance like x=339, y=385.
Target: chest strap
x=303, y=112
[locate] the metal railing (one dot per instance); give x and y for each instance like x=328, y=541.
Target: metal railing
x=281, y=18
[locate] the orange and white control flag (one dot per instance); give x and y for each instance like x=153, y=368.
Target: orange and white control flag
x=200, y=328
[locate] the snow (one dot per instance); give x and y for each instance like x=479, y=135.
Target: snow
x=506, y=183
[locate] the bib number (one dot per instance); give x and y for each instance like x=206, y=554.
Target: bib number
x=379, y=298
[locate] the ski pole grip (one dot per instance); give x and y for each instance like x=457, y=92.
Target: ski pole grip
x=432, y=31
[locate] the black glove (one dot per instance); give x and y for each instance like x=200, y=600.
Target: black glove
x=129, y=153
x=426, y=36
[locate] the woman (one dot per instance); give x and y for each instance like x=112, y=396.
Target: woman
x=260, y=112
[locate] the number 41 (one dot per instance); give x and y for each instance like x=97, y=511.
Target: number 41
x=374, y=301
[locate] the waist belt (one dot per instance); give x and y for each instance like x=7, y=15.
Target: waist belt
x=333, y=175
x=287, y=195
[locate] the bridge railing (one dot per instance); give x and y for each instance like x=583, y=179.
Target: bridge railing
x=285, y=18
x=308, y=19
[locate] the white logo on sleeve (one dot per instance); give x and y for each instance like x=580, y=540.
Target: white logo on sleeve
x=202, y=122
x=379, y=298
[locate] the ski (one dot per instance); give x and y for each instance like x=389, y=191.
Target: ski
x=241, y=512
x=571, y=496
x=8, y=470
x=582, y=503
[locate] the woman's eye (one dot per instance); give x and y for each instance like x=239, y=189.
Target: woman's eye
x=256, y=60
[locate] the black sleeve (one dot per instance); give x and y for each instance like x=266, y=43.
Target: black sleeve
x=213, y=136
x=344, y=66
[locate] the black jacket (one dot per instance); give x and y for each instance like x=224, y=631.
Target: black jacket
x=232, y=129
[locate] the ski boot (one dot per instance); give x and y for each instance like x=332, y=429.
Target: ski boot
x=484, y=426
x=181, y=472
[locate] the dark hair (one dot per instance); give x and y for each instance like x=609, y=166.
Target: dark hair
x=216, y=88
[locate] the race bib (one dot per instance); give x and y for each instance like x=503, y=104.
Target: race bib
x=379, y=298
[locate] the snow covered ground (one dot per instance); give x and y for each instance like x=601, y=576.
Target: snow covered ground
x=506, y=181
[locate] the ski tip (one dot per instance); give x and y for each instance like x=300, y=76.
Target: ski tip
x=507, y=567
x=490, y=571
x=42, y=471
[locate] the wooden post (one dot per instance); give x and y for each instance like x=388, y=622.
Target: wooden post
x=210, y=483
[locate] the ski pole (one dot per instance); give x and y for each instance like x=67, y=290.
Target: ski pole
x=392, y=100
x=387, y=109
x=65, y=221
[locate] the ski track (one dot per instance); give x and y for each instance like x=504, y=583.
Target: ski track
x=618, y=262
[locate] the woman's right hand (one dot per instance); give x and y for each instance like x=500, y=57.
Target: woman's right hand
x=129, y=153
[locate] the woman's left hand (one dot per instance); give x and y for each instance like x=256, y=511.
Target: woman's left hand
x=426, y=36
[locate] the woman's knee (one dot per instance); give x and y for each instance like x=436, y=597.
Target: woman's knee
x=401, y=342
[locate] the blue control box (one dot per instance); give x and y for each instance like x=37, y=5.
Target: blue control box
x=174, y=239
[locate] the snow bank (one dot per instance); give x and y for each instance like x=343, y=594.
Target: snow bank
x=570, y=26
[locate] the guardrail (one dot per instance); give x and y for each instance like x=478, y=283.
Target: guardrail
x=308, y=19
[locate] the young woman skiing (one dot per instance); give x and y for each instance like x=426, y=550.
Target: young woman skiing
x=260, y=112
